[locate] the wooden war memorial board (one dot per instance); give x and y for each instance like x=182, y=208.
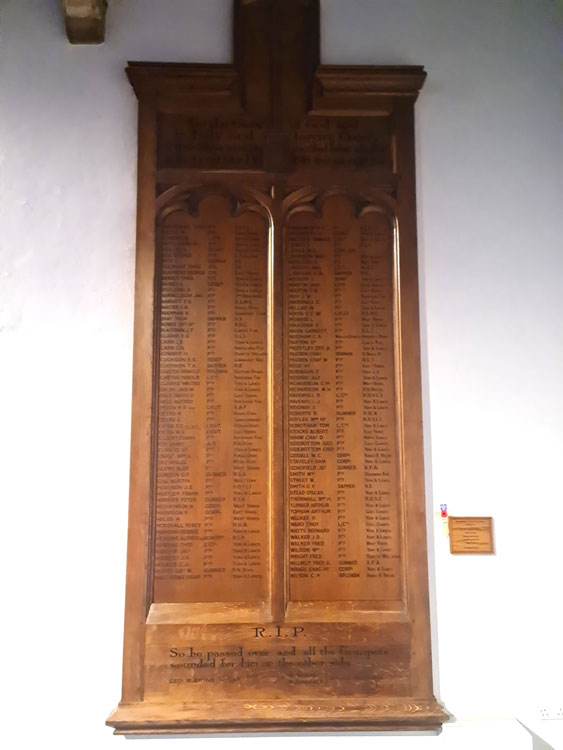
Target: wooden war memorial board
x=277, y=570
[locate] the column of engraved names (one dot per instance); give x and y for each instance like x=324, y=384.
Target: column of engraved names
x=250, y=446
x=382, y=512
x=211, y=458
x=348, y=415
x=219, y=373
x=310, y=439
x=344, y=506
x=181, y=381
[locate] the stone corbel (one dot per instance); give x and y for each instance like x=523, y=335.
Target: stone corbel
x=85, y=20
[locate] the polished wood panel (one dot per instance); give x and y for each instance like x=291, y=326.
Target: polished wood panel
x=211, y=441
x=344, y=495
x=277, y=574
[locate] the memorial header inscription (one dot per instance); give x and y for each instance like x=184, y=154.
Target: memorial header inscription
x=277, y=574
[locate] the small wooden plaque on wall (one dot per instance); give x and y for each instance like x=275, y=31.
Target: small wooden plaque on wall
x=471, y=535
x=277, y=569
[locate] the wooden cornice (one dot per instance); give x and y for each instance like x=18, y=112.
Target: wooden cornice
x=371, y=79
x=356, y=89
x=180, y=86
x=85, y=20
x=364, y=89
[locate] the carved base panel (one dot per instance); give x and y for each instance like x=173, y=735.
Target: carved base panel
x=406, y=714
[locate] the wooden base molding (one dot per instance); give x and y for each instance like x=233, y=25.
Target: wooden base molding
x=408, y=714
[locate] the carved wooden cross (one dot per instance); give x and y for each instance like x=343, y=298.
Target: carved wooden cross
x=276, y=79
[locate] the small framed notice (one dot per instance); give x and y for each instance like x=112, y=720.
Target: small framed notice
x=471, y=535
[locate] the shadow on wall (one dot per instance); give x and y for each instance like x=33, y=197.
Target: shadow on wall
x=539, y=744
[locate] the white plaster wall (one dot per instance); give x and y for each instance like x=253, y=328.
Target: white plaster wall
x=490, y=181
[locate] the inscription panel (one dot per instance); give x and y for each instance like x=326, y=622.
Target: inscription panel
x=343, y=488
x=194, y=663
x=212, y=142
x=343, y=142
x=211, y=516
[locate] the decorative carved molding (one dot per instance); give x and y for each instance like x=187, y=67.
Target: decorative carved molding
x=187, y=198
x=312, y=199
x=85, y=20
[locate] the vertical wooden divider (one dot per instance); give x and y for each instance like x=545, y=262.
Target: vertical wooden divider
x=278, y=528
x=138, y=559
